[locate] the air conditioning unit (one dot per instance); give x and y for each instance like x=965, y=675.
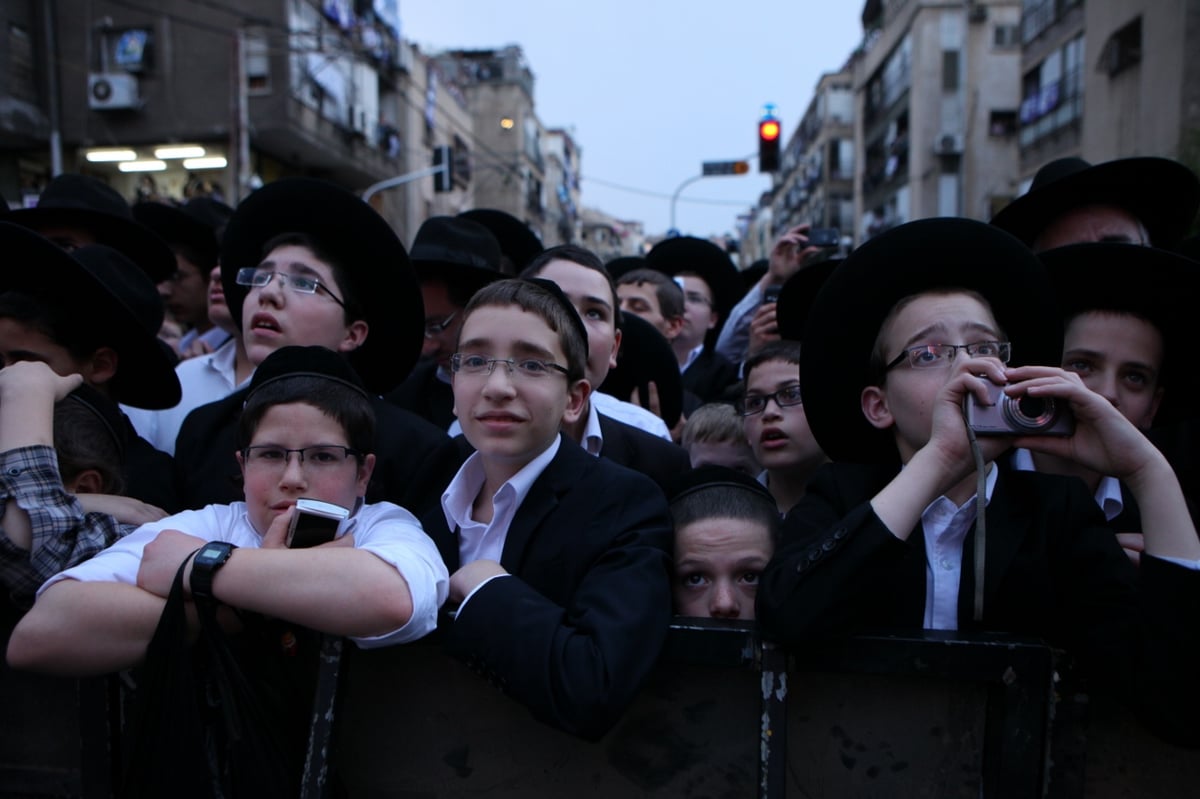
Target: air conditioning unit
x=948, y=144
x=112, y=91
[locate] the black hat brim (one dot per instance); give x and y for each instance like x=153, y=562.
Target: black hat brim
x=797, y=295
x=145, y=375
x=131, y=238
x=1163, y=194
x=376, y=265
x=849, y=309
x=176, y=227
x=646, y=357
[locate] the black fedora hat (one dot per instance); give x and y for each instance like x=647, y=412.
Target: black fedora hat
x=702, y=257
x=197, y=224
x=1163, y=194
x=374, y=261
x=104, y=293
x=72, y=200
x=458, y=250
x=518, y=243
x=625, y=264
x=797, y=295
x=646, y=357
x=850, y=308
x=1144, y=281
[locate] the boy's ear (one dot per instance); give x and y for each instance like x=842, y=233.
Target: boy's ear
x=356, y=334
x=364, y=474
x=577, y=395
x=612, y=357
x=875, y=407
x=89, y=481
x=674, y=326
x=101, y=366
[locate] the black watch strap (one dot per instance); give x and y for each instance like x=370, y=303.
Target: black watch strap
x=211, y=557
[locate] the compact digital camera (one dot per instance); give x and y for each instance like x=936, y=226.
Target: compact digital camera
x=314, y=522
x=1019, y=416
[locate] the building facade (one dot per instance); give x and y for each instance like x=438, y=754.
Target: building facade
x=1105, y=79
x=937, y=87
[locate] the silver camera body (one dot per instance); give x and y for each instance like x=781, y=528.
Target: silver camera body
x=1019, y=416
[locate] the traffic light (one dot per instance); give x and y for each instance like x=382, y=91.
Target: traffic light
x=443, y=156
x=768, y=144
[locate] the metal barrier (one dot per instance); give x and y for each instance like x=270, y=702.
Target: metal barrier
x=724, y=715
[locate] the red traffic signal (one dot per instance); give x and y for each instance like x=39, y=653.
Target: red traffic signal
x=768, y=144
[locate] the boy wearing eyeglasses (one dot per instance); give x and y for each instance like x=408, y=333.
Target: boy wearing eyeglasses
x=942, y=312
x=774, y=422
x=558, y=560
x=306, y=431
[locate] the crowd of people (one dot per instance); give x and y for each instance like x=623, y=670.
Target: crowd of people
x=540, y=457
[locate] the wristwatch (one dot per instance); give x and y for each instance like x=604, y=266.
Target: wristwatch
x=211, y=557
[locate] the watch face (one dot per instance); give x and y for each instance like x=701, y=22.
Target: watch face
x=210, y=551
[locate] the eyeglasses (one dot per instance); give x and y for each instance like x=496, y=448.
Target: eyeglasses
x=932, y=356
x=257, y=278
x=785, y=397
x=482, y=365
x=318, y=458
x=436, y=328
x=696, y=298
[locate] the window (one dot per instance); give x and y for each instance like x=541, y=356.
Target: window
x=1006, y=36
x=949, y=70
x=1002, y=123
x=1123, y=49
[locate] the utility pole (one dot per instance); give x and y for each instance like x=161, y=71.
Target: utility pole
x=239, y=120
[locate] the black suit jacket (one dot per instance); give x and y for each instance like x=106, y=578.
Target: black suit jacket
x=711, y=377
x=414, y=461
x=1053, y=570
x=148, y=472
x=425, y=395
x=577, y=628
x=655, y=457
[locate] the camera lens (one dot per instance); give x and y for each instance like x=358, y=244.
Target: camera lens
x=1030, y=414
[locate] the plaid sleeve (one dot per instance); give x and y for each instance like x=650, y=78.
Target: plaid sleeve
x=63, y=535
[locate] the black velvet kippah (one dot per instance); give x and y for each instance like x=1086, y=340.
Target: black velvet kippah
x=305, y=362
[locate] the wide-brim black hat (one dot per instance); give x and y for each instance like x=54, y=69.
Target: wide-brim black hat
x=646, y=356
x=72, y=200
x=625, y=264
x=518, y=243
x=197, y=224
x=1163, y=194
x=105, y=294
x=1148, y=282
x=702, y=257
x=374, y=261
x=461, y=252
x=849, y=309
x=797, y=295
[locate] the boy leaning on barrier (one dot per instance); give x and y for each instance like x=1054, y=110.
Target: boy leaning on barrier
x=559, y=560
x=887, y=534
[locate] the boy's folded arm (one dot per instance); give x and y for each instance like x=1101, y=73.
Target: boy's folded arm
x=576, y=666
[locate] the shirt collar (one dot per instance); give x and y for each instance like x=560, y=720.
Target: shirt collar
x=460, y=495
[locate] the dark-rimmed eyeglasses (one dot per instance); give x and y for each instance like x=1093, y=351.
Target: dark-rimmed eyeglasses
x=301, y=284
x=932, y=356
x=474, y=365
x=437, y=328
x=785, y=397
x=268, y=457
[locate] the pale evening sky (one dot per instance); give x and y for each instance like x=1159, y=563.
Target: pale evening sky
x=651, y=89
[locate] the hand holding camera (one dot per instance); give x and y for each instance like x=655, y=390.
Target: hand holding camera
x=1023, y=415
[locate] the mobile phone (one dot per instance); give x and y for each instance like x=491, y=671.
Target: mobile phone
x=314, y=522
x=771, y=293
x=824, y=237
